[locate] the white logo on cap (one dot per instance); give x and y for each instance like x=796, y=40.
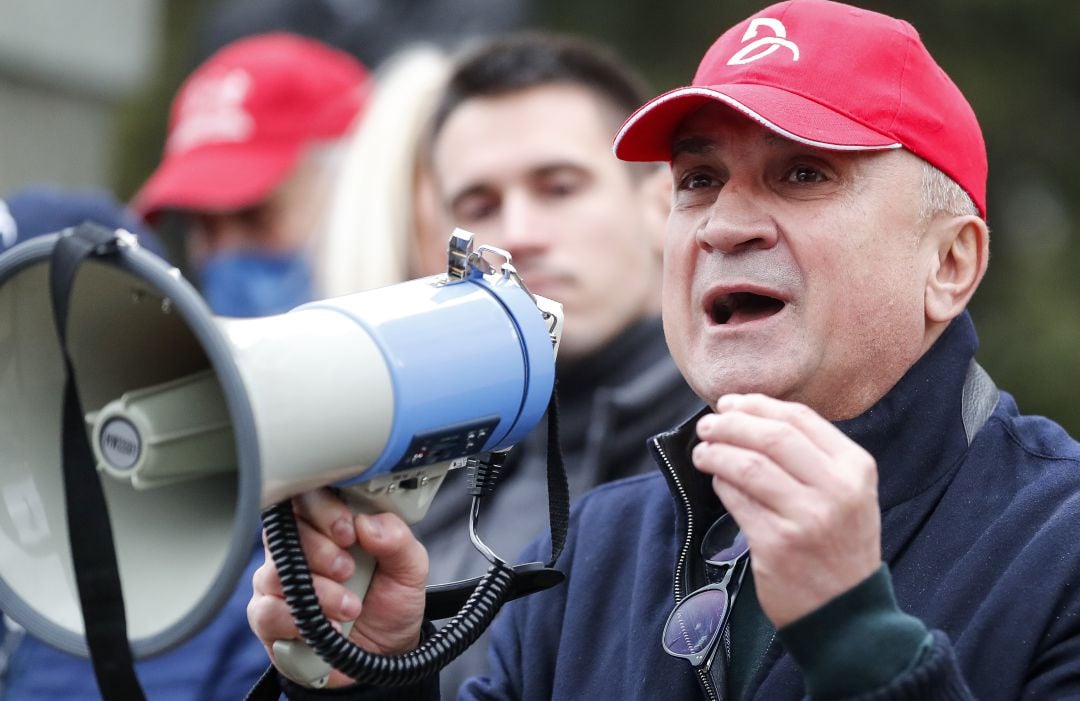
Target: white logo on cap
x=213, y=111
x=765, y=45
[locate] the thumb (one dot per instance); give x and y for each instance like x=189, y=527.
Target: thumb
x=391, y=542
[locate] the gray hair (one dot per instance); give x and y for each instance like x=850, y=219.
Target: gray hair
x=942, y=195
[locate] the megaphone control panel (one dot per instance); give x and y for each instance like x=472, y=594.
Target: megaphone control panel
x=448, y=443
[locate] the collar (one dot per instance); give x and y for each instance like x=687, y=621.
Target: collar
x=635, y=349
x=623, y=370
x=917, y=431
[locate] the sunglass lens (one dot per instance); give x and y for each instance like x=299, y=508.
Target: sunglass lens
x=723, y=541
x=694, y=622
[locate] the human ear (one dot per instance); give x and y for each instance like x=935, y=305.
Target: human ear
x=962, y=254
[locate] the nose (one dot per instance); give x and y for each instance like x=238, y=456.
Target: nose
x=523, y=224
x=737, y=222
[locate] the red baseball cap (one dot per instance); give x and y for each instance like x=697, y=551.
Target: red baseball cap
x=831, y=76
x=241, y=121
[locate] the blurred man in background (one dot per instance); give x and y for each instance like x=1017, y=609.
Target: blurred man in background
x=521, y=157
x=253, y=139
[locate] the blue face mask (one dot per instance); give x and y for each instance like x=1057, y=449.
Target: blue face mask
x=246, y=283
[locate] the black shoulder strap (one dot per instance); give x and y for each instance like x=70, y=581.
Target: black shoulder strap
x=267, y=688
x=558, y=488
x=92, y=549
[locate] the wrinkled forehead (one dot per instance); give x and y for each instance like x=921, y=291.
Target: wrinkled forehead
x=704, y=126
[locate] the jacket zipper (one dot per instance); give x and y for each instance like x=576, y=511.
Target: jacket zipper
x=703, y=676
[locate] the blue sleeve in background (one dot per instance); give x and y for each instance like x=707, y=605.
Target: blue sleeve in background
x=221, y=663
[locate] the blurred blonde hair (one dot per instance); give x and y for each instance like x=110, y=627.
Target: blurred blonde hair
x=369, y=224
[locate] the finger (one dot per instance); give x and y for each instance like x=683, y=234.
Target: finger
x=265, y=579
x=753, y=517
x=324, y=556
x=400, y=555
x=752, y=473
x=783, y=443
x=339, y=602
x=271, y=618
x=822, y=432
x=394, y=604
x=327, y=514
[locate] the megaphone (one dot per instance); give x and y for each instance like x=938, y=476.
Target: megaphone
x=199, y=422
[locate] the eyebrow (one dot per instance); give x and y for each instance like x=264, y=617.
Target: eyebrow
x=555, y=167
x=450, y=203
x=542, y=170
x=701, y=145
x=694, y=145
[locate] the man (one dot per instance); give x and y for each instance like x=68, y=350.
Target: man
x=520, y=156
x=911, y=535
x=248, y=164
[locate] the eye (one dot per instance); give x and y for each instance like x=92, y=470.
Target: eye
x=559, y=182
x=560, y=187
x=475, y=208
x=696, y=181
x=805, y=174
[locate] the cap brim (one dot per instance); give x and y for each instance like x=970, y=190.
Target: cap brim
x=218, y=178
x=647, y=134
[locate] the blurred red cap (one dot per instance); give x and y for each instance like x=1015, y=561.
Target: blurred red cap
x=241, y=121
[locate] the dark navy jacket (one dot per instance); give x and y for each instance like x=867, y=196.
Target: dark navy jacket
x=982, y=540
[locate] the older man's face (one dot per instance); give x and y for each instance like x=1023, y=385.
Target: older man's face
x=792, y=271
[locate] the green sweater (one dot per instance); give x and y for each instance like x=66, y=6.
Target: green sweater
x=840, y=654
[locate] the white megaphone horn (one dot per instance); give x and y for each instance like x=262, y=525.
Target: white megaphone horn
x=199, y=422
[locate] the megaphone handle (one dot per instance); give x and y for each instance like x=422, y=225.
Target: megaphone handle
x=296, y=659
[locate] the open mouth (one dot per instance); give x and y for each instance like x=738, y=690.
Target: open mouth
x=741, y=307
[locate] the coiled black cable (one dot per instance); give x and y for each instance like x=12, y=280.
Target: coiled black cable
x=283, y=540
